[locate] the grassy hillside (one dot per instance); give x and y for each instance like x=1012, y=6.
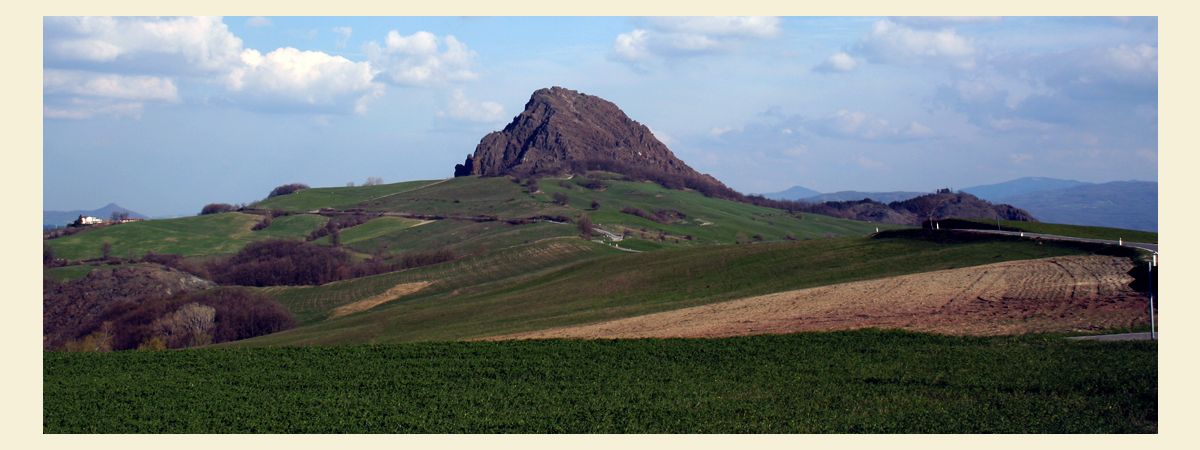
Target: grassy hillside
x=1079, y=231
x=624, y=285
x=848, y=382
x=311, y=304
x=336, y=197
x=190, y=236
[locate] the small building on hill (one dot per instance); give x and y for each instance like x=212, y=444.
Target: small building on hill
x=86, y=220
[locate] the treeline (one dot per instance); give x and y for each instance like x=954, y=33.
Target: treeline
x=290, y=263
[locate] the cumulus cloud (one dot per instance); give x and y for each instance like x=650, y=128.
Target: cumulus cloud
x=94, y=62
x=421, y=58
x=837, y=62
x=464, y=109
x=666, y=37
x=88, y=84
x=892, y=43
x=69, y=94
x=304, y=78
x=165, y=45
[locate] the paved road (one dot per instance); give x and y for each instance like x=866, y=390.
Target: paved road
x=1053, y=237
x=1114, y=337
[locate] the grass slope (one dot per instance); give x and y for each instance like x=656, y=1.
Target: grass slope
x=312, y=304
x=624, y=285
x=1079, y=231
x=190, y=236
x=336, y=197
x=849, y=382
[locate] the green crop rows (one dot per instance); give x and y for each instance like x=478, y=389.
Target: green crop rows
x=847, y=382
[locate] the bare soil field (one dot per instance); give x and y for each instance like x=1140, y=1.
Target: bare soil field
x=398, y=291
x=1045, y=295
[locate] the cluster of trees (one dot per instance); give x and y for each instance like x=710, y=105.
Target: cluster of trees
x=340, y=222
x=184, y=320
x=286, y=189
x=217, y=208
x=290, y=263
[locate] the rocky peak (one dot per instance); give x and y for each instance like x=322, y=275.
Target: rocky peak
x=564, y=131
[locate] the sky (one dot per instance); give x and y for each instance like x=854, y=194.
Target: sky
x=165, y=114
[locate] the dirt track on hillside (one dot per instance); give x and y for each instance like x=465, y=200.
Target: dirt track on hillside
x=1044, y=295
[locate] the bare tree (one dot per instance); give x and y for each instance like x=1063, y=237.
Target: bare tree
x=585, y=226
x=106, y=250
x=373, y=181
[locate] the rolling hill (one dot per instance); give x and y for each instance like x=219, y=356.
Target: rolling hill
x=999, y=191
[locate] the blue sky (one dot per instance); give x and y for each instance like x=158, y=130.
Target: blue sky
x=163, y=115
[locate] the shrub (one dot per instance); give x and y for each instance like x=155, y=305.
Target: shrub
x=595, y=205
x=262, y=224
x=216, y=208
x=561, y=199
x=286, y=189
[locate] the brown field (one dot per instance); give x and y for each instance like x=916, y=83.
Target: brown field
x=1073, y=293
x=395, y=292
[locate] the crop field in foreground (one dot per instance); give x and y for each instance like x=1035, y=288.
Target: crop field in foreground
x=846, y=382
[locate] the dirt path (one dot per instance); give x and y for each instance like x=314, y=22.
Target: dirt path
x=395, y=292
x=1053, y=294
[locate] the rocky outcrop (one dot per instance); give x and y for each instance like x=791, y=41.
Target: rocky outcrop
x=563, y=131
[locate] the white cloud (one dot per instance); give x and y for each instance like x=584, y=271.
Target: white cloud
x=918, y=129
x=464, y=109
x=754, y=27
x=421, y=58
x=892, y=43
x=123, y=87
x=1019, y=158
x=666, y=37
x=70, y=94
x=183, y=44
x=304, y=78
x=838, y=62
x=345, y=33
x=258, y=21
x=796, y=151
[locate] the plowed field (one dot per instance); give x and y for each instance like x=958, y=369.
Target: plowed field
x=1044, y=295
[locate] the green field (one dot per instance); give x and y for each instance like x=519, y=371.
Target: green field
x=212, y=234
x=336, y=197
x=1079, y=231
x=68, y=273
x=624, y=285
x=311, y=304
x=847, y=382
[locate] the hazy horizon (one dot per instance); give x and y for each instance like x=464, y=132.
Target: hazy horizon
x=163, y=115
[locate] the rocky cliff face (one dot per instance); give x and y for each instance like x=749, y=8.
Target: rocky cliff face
x=563, y=131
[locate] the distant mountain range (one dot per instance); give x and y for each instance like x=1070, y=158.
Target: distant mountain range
x=1118, y=204
x=62, y=218
x=997, y=192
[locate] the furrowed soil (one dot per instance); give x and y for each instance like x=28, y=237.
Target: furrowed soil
x=1072, y=293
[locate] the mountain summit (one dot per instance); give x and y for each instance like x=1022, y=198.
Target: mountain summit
x=564, y=131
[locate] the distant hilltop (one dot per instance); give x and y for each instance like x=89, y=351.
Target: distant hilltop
x=562, y=131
